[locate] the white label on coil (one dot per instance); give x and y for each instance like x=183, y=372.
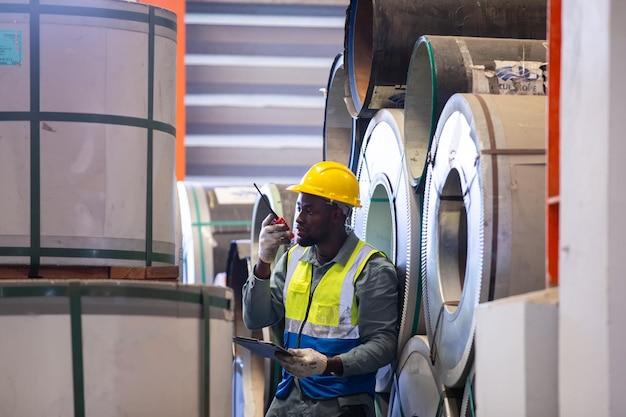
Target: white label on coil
x=520, y=77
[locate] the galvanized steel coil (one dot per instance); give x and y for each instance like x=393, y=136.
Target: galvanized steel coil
x=212, y=217
x=87, y=115
x=115, y=348
x=338, y=141
x=390, y=216
x=441, y=66
x=483, y=221
x=417, y=389
x=380, y=35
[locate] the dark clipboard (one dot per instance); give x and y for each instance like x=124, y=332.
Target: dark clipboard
x=260, y=347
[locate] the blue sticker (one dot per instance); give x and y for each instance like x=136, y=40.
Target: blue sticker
x=10, y=47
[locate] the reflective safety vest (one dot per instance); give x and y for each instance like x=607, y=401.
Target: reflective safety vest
x=325, y=320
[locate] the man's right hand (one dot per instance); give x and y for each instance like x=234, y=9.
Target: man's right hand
x=270, y=239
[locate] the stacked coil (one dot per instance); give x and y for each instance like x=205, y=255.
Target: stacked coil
x=447, y=101
x=88, y=138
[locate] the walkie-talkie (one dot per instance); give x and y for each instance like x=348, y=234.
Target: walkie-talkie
x=277, y=219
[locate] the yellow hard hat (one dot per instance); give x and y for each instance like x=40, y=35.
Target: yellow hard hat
x=330, y=180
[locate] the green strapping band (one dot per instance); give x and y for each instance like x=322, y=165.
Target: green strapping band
x=470, y=396
x=196, y=205
x=150, y=144
x=110, y=119
x=419, y=186
x=418, y=301
x=442, y=396
x=115, y=290
x=35, y=150
x=88, y=12
x=206, y=385
x=168, y=258
x=77, y=349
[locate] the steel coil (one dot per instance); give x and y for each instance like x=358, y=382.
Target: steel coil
x=441, y=66
x=212, y=217
x=417, y=390
x=87, y=118
x=104, y=348
x=380, y=35
x=390, y=216
x=483, y=221
x=338, y=141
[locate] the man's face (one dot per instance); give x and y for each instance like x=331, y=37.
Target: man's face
x=314, y=218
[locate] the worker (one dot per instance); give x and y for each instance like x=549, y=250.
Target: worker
x=338, y=297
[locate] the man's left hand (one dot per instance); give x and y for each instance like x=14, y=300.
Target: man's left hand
x=303, y=363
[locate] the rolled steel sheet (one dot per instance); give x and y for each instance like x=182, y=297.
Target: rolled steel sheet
x=380, y=35
x=483, y=222
x=417, y=390
x=390, y=217
x=338, y=139
x=103, y=348
x=343, y=130
x=213, y=216
x=87, y=118
x=441, y=66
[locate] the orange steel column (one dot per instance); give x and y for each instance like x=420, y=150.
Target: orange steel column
x=178, y=7
x=553, y=146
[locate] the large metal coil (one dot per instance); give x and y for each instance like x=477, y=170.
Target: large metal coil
x=441, y=66
x=338, y=121
x=380, y=35
x=212, y=217
x=105, y=348
x=417, y=390
x=343, y=131
x=483, y=221
x=87, y=126
x=389, y=217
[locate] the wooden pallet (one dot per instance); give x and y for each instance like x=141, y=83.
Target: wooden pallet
x=149, y=273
